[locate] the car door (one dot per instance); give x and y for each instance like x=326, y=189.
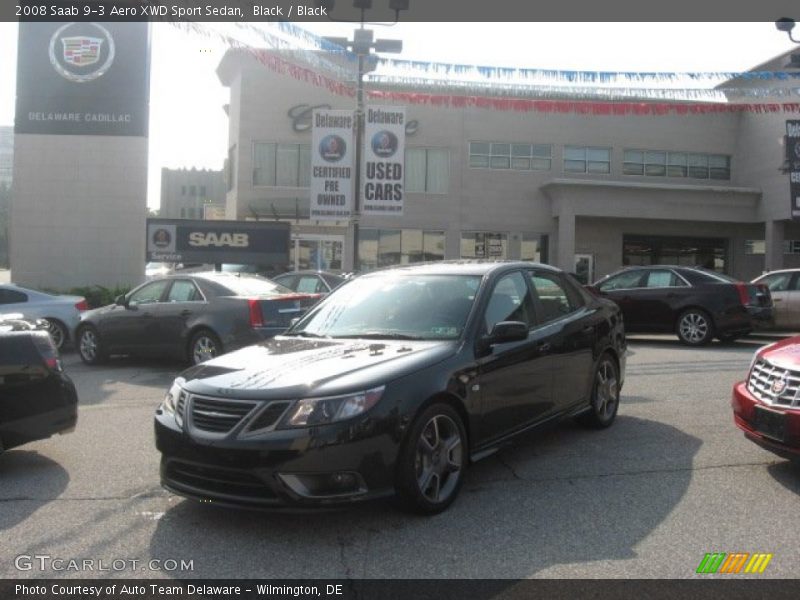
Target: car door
x=783, y=289
x=660, y=299
x=514, y=378
x=183, y=304
x=624, y=289
x=133, y=328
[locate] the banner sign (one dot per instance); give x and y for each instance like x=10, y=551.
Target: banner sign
x=83, y=78
x=793, y=158
x=216, y=242
x=332, y=172
x=384, y=160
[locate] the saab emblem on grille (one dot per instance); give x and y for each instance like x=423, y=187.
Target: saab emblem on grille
x=779, y=385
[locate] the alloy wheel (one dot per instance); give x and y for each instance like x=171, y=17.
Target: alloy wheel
x=203, y=349
x=56, y=333
x=439, y=459
x=606, y=390
x=694, y=328
x=88, y=345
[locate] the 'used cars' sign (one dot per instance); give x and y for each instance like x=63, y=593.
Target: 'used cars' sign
x=384, y=158
x=215, y=242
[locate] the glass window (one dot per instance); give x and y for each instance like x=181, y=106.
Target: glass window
x=288, y=281
x=264, y=164
x=698, y=166
x=149, y=293
x=624, y=281
x=755, y=247
x=663, y=278
x=502, y=155
x=655, y=164
x=427, y=170
x=779, y=282
x=12, y=296
x=552, y=300
x=287, y=165
x=529, y=248
x=719, y=166
x=633, y=162
x=510, y=301
x=676, y=164
x=386, y=247
x=579, y=159
x=484, y=245
x=310, y=284
x=183, y=290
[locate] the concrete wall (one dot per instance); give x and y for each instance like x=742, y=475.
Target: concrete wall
x=78, y=210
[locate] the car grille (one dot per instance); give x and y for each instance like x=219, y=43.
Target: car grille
x=217, y=416
x=216, y=480
x=774, y=385
x=180, y=407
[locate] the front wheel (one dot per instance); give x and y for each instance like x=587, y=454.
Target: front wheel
x=204, y=346
x=432, y=461
x=90, y=346
x=605, y=395
x=695, y=327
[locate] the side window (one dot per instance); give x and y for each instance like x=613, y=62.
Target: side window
x=150, y=293
x=183, y=290
x=553, y=299
x=12, y=297
x=510, y=301
x=287, y=282
x=311, y=284
x=659, y=278
x=624, y=281
x=779, y=282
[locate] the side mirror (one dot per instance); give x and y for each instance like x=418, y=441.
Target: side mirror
x=121, y=301
x=507, y=331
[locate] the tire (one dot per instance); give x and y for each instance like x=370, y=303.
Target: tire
x=432, y=461
x=204, y=345
x=728, y=339
x=605, y=395
x=694, y=327
x=58, y=332
x=90, y=346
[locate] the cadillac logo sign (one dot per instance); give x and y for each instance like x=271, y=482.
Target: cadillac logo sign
x=81, y=52
x=779, y=385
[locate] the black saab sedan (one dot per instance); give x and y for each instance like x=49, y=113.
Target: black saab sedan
x=37, y=399
x=694, y=303
x=190, y=316
x=392, y=385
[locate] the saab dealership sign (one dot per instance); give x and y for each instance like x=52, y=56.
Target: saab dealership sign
x=384, y=154
x=793, y=158
x=332, y=172
x=238, y=242
x=83, y=78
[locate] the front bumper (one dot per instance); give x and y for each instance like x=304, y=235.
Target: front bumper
x=744, y=403
x=263, y=473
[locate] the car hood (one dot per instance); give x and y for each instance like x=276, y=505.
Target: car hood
x=785, y=354
x=289, y=367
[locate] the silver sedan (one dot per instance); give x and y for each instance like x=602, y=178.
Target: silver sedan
x=62, y=313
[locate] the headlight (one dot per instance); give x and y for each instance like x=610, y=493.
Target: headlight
x=320, y=411
x=171, y=398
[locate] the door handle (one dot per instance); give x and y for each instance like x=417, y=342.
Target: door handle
x=544, y=347
x=185, y=312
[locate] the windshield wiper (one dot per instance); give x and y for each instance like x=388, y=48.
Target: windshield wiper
x=380, y=335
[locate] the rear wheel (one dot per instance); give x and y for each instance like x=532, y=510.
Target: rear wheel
x=58, y=332
x=90, y=346
x=605, y=395
x=203, y=346
x=695, y=327
x=432, y=461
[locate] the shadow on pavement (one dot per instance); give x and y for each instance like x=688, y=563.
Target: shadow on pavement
x=35, y=480
x=568, y=495
x=787, y=473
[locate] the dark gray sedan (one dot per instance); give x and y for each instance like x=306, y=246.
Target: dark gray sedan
x=193, y=317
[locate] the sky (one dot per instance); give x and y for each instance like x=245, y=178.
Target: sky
x=188, y=127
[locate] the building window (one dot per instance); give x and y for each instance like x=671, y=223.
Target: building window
x=427, y=170
x=587, y=159
x=503, y=155
x=286, y=165
x=387, y=247
x=530, y=247
x=183, y=190
x=484, y=244
x=755, y=247
x=659, y=163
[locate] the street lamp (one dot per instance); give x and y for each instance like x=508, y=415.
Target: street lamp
x=362, y=45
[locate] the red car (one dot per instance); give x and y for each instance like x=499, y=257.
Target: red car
x=767, y=405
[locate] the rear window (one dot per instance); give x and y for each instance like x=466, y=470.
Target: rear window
x=251, y=286
x=706, y=276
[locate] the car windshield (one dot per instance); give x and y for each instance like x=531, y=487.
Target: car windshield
x=395, y=306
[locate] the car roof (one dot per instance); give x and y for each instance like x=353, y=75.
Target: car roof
x=462, y=267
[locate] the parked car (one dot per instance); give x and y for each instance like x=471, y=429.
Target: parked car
x=311, y=282
x=766, y=406
x=393, y=383
x=37, y=399
x=62, y=313
x=694, y=303
x=194, y=316
x=784, y=286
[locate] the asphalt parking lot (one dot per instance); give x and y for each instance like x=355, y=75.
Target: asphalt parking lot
x=672, y=480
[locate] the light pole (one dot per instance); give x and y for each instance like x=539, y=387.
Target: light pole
x=362, y=45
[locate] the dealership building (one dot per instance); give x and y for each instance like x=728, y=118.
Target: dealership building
x=587, y=193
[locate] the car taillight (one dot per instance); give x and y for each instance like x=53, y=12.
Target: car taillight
x=744, y=295
x=256, y=316
x=48, y=351
x=82, y=305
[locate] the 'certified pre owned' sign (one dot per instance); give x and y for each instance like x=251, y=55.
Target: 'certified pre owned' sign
x=215, y=242
x=384, y=153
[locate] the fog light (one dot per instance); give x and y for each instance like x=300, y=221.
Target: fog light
x=324, y=485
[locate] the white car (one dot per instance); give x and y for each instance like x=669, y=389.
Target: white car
x=784, y=286
x=62, y=313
